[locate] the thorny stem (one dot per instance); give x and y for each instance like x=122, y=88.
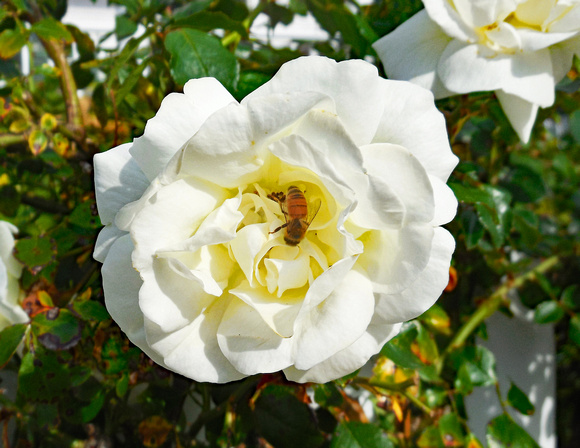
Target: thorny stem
x=68, y=85
x=491, y=304
x=56, y=51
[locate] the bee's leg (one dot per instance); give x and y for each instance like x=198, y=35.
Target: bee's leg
x=279, y=228
x=280, y=198
x=277, y=196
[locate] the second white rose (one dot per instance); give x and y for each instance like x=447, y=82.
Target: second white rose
x=518, y=48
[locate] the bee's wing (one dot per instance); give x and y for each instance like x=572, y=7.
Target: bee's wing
x=313, y=210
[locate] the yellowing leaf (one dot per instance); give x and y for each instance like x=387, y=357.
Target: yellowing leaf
x=60, y=144
x=37, y=142
x=154, y=431
x=11, y=41
x=19, y=126
x=397, y=410
x=48, y=122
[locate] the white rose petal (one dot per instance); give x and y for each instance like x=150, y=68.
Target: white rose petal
x=264, y=234
x=10, y=270
x=519, y=48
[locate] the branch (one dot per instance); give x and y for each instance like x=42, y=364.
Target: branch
x=11, y=139
x=68, y=85
x=45, y=205
x=56, y=51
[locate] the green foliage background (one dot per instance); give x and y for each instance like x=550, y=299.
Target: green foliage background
x=80, y=381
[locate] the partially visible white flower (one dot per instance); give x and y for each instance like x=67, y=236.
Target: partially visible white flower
x=196, y=269
x=518, y=48
x=10, y=271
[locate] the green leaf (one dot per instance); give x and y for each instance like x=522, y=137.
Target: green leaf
x=57, y=329
x=574, y=329
x=91, y=310
x=123, y=58
x=207, y=21
x=359, y=435
x=124, y=26
x=491, y=224
x=46, y=415
x=503, y=432
x=233, y=8
x=451, y=430
x=472, y=228
x=493, y=209
x=527, y=223
x=437, y=319
x=327, y=395
x=10, y=338
x=90, y=411
x=11, y=41
x=21, y=5
x=10, y=200
x=84, y=215
x=114, y=355
x=479, y=363
x=191, y=8
x=548, y=311
x=470, y=195
x=195, y=54
x=51, y=29
x=85, y=45
x=284, y=421
x=570, y=297
x=42, y=376
x=575, y=125
x=463, y=383
x=426, y=345
x=298, y=6
x=519, y=400
x=35, y=252
x=131, y=81
x=250, y=81
x=365, y=29
x=399, y=350
x=525, y=185
x=430, y=438
x=122, y=386
x=334, y=17
x=278, y=14
x=435, y=396
x=100, y=104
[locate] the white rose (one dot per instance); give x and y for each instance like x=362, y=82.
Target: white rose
x=10, y=270
x=194, y=271
x=519, y=49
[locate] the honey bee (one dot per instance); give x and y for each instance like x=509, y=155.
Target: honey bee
x=295, y=209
